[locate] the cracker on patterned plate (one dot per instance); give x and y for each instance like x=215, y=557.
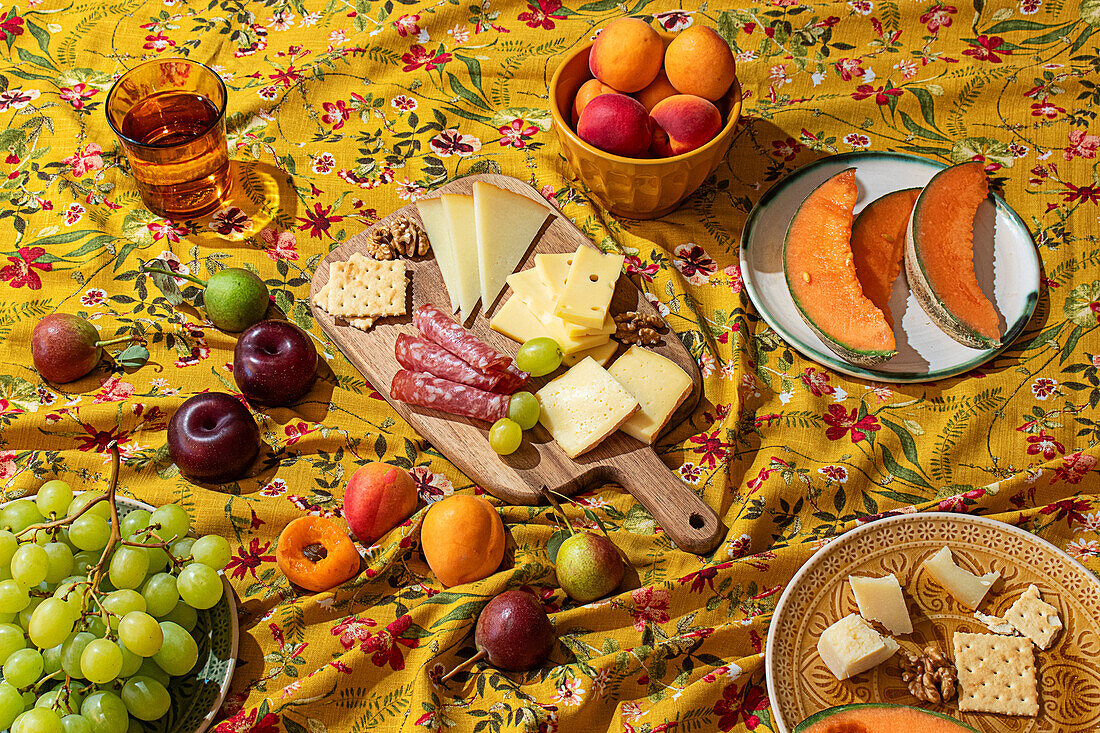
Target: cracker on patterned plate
x=1035, y=618
x=366, y=288
x=996, y=674
x=996, y=624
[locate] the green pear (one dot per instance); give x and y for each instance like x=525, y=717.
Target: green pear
x=588, y=566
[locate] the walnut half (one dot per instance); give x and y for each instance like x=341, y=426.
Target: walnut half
x=930, y=675
x=400, y=237
x=633, y=327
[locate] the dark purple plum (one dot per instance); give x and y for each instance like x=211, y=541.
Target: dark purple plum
x=274, y=363
x=213, y=438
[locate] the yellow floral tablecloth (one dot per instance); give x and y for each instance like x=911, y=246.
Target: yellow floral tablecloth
x=342, y=111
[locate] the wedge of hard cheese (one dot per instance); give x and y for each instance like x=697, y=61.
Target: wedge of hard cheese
x=850, y=646
x=583, y=406
x=507, y=223
x=460, y=214
x=880, y=599
x=438, y=227
x=967, y=588
x=519, y=322
x=659, y=385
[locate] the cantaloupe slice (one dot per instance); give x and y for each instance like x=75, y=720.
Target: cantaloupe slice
x=878, y=245
x=880, y=718
x=821, y=274
x=939, y=256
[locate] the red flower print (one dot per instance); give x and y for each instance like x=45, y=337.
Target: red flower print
x=881, y=94
x=230, y=221
x=286, y=78
x=335, y=114
x=98, y=440
x=77, y=94
x=158, y=43
x=939, y=16
x=353, y=631
x=694, y=263
x=1091, y=194
x=840, y=423
x=163, y=229
x=704, y=578
x=987, y=48
x=21, y=271
x=817, y=382
x=296, y=432
x=847, y=69
x=319, y=220
x=1074, y=467
x=515, y=134
x=246, y=561
x=1045, y=445
x=85, y=160
x=739, y=703
x=634, y=266
x=1072, y=510
x=786, y=149
x=648, y=604
x=384, y=644
x=543, y=15
x=711, y=448
x=12, y=25
x=407, y=25
x=959, y=502
x=247, y=723
x=1046, y=109
x=418, y=56
x=673, y=20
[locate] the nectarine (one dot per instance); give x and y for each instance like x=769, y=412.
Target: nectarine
x=617, y=124
x=589, y=91
x=682, y=123
x=660, y=88
x=378, y=498
x=700, y=62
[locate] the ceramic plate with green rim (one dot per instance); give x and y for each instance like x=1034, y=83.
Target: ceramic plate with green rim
x=1005, y=261
x=197, y=697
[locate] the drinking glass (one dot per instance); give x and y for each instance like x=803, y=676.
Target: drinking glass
x=169, y=116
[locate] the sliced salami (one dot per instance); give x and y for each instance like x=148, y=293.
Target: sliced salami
x=512, y=380
x=418, y=388
x=437, y=326
x=422, y=355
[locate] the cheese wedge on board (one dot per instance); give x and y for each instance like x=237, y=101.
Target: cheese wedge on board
x=516, y=320
x=506, y=223
x=553, y=269
x=583, y=406
x=659, y=385
x=589, y=287
x=438, y=227
x=460, y=213
x=600, y=354
x=528, y=285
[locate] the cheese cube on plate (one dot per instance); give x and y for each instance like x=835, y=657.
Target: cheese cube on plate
x=657, y=383
x=880, y=599
x=967, y=588
x=583, y=406
x=850, y=646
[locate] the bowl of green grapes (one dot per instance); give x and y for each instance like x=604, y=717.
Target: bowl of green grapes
x=114, y=617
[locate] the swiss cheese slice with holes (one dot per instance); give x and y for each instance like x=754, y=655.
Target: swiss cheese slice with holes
x=589, y=287
x=583, y=406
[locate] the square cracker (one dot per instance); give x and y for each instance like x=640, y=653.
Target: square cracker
x=996, y=674
x=1035, y=618
x=366, y=288
x=320, y=298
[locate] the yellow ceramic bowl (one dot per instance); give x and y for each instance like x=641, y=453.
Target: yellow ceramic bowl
x=636, y=188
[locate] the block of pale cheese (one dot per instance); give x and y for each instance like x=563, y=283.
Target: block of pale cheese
x=850, y=646
x=967, y=588
x=528, y=286
x=602, y=354
x=880, y=599
x=659, y=385
x=519, y=322
x=459, y=211
x=506, y=225
x=553, y=270
x=583, y=406
x=589, y=287
x=438, y=227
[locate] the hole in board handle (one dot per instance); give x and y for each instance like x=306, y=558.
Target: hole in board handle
x=695, y=519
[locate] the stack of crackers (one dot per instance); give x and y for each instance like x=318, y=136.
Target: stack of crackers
x=360, y=290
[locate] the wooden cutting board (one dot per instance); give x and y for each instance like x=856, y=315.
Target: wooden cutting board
x=539, y=462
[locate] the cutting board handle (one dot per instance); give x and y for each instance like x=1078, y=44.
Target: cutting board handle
x=677, y=508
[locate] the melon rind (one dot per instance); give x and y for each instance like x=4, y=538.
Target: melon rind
x=806, y=724
x=859, y=357
x=926, y=296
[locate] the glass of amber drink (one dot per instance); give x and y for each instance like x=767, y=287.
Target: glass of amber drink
x=169, y=116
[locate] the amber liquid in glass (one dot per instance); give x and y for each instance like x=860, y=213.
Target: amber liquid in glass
x=181, y=162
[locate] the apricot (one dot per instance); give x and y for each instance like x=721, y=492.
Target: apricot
x=589, y=91
x=378, y=498
x=700, y=62
x=626, y=55
x=316, y=554
x=660, y=88
x=682, y=123
x=463, y=539
x=617, y=124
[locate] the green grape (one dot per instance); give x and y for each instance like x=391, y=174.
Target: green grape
x=29, y=565
x=72, y=650
x=53, y=498
x=7, y=618
x=183, y=615
x=12, y=639
x=145, y=698
x=23, y=668
x=5, y=572
x=121, y=602
x=199, y=586
x=105, y=711
x=40, y=720
x=539, y=356
x=181, y=549
x=51, y=660
x=128, y=567
x=174, y=522
x=179, y=652
x=13, y=597
x=131, y=662
x=212, y=551
x=101, y=661
x=59, y=557
x=76, y=724
x=134, y=521
x=19, y=514
x=505, y=436
x=8, y=545
x=135, y=727
x=160, y=594
x=71, y=590
x=524, y=408
x=158, y=560
x=96, y=627
x=11, y=705
x=90, y=532
x=149, y=668
x=26, y=613
x=84, y=561
x=51, y=623
x=101, y=510
x=59, y=701
x=141, y=633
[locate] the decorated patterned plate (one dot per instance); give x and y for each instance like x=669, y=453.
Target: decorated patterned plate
x=799, y=683
x=1008, y=259
x=197, y=697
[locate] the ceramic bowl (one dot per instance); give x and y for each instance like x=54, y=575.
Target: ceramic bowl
x=635, y=188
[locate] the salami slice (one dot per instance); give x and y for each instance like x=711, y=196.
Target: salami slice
x=437, y=326
x=422, y=355
x=418, y=388
x=512, y=380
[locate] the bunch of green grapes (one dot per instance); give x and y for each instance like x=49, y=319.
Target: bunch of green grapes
x=94, y=623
